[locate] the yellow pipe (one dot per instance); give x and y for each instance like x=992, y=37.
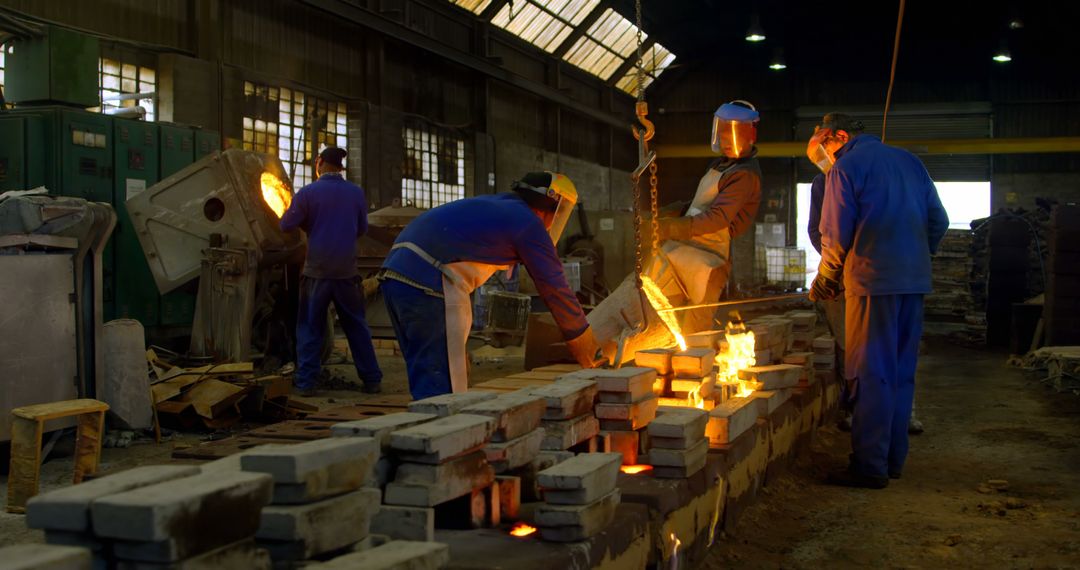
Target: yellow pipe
x=928, y=146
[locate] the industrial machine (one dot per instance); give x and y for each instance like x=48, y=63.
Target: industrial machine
x=50, y=140
x=217, y=220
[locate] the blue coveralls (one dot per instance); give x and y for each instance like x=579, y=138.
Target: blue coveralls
x=833, y=309
x=498, y=229
x=333, y=213
x=881, y=221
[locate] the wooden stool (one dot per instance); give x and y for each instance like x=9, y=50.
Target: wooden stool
x=26, y=429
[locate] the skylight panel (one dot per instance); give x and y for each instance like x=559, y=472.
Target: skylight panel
x=475, y=6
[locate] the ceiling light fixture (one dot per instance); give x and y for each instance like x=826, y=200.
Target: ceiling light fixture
x=778, y=62
x=755, y=33
x=1003, y=55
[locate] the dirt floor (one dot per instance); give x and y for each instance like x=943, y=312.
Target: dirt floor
x=983, y=422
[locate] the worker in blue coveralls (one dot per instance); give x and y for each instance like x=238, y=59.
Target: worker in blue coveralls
x=333, y=213
x=834, y=309
x=881, y=220
x=447, y=252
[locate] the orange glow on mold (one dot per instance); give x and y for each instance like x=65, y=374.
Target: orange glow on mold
x=521, y=529
x=635, y=469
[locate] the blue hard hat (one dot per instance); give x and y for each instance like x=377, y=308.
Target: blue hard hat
x=738, y=111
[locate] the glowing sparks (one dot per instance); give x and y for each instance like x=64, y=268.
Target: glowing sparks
x=275, y=193
x=675, y=544
x=635, y=469
x=659, y=301
x=522, y=529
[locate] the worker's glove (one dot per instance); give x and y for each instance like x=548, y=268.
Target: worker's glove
x=674, y=228
x=585, y=350
x=825, y=288
x=673, y=210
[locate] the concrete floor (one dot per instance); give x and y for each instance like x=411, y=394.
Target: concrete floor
x=983, y=421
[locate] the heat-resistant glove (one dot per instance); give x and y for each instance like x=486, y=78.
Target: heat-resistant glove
x=674, y=228
x=824, y=288
x=585, y=350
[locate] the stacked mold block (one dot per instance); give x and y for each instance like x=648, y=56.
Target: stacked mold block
x=678, y=447
x=580, y=497
x=159, y=517
x=568, y=419
x=320, y=506
x=626, y=404
x=440, y=461
x=824, y=348
x=804, y=360
x=694, y=375
x=773, y=337
x=514, y=450
x=803, y=323
x=396, y=555
x=393, y=521
x=775, y=384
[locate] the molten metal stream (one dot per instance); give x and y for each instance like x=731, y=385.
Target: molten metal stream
x=660, y=302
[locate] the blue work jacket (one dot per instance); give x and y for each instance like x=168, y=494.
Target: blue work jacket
x=881, y=220
x=333, y=213
x=817, y=195
x=496, y=229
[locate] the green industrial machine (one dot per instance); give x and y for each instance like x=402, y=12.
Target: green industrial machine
x=59, y=66
x=20, y=167
x=135, y=168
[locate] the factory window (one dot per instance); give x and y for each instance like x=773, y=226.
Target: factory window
x=280, y=120
x=605, y=46
x=3, y=53
x=117, y=79
x=656, y=59
x=474, y=6
x=963, y=201
x=543, y=23
x=434, y=168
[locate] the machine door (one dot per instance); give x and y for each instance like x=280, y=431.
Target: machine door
x=38, y=355
x=136, y=166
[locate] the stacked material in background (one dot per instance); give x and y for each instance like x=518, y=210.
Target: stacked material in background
x=1061, y=310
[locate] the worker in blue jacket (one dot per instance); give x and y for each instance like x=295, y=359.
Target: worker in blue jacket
x=333, y=213
x=881, y=220
x=447, y=252
x=834, y=309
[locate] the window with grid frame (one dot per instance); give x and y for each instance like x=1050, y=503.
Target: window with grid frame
x=280, y=120
x=117, y=78
x=434, y=169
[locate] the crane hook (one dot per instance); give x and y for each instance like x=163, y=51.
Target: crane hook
x=642, y=111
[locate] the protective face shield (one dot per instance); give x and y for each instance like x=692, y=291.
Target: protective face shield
x=734, y=129
x=564, y=193
x=816, y=151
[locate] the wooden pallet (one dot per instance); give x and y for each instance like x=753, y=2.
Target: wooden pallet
x=352, y=413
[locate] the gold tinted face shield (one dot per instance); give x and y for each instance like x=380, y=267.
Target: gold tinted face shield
x=564, y=193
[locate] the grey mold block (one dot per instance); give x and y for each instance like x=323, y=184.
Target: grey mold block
x=444, y=438
x=325, y=526
x=243, y=554
x=396, y=555
x=182, y=518
x=564, y=434
x=69, y=508
x=548, y=515
x=688, y=423
x=427, y=485
x=567, y=398
x=679, y=457
x=626, y=379
x=515, y=414
x=449, y=404
x=316, y=469
x=515, y=453
x=405, y=523
x=45, y=557
x=380, y=428
x=582, y=471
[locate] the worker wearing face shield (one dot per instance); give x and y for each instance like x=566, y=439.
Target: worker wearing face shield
x=881, y=220
x=820, y=150
x=446, y=253
x=699, y=233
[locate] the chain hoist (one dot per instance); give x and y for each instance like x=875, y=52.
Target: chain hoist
x=644, y=158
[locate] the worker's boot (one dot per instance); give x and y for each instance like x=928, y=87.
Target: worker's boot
x=373, y=388
x=851, y=478
x=914, y=426
x=309, y=392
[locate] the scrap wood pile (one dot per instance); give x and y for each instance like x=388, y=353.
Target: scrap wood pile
x=218, y=396
x=1057, y=365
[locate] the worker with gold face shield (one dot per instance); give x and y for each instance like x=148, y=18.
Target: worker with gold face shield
x=698, y=234
x=440, y=258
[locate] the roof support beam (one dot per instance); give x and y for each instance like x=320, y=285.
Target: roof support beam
x=631, y=62
x=374, y=21
x=579, y=30
x=493, y=9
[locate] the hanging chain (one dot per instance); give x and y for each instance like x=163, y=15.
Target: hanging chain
x=640, y=55
x=639, y=256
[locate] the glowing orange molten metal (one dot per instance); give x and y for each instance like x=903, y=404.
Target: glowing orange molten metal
x=635, y=469
x=659, y=301
x=522, y=529
x=275, y=193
